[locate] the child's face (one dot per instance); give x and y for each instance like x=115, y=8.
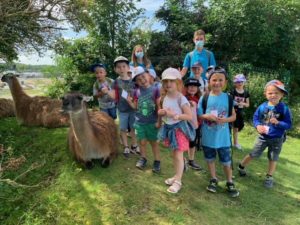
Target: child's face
x=122, y=69
x=170, y=85
x=197, y=71
x=239, y=84
x=142, y=80
x=217, y=82
x=192, y=89
x=199, y=38
x=273, y=94
x=100, y=73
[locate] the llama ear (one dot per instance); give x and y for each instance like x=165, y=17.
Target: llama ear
x=88, y=98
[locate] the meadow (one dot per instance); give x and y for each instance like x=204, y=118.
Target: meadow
x=40, y=183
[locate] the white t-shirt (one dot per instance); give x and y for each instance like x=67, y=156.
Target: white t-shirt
x=175, y=104
x=204, y=85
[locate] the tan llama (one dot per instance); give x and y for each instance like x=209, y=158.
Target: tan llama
x=6, y=108
x=92, y=135
x=34, y=111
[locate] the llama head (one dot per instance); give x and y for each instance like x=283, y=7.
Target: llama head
x=74, y=102
x=8, y=77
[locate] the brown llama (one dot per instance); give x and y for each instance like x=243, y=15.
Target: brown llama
x=6, y=108
x=34, y=111
x=92, y=135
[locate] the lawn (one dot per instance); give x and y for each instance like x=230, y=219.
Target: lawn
x=41, y=184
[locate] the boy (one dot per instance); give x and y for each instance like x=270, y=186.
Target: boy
x=199, y=54
x=215, y=129
x=121, y=89
x=146, y=101
x=198, y=70
x=106, y=103
x=271, y=120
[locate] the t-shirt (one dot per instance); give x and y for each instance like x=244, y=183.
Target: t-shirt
x=196, y=56
x=146, y=104
x=215, y=135
x=239, y=97
x=119, y=86
x=175, y=104
x=105, y=102
x=204, y=85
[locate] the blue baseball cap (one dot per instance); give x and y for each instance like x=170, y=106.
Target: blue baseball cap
x=94, y=66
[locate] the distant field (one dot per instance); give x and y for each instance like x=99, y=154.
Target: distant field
x=32, y=87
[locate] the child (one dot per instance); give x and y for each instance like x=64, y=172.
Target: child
x=121, y=89
x=241, y=101
x=139, y=58
x=106, y=103
x=198, y=70
x=146, y=103
x=215, y=117
x=271, y=120
x=175, y=132
x=193, y=94
x=199, y=54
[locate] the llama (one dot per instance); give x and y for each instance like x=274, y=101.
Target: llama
x=92, y=135
x=34, y=111
x=6, y=108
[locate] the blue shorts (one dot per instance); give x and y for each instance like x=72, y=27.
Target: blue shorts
x=274, y=147
x=126, y=120
x=112, y=112
x=224, y=155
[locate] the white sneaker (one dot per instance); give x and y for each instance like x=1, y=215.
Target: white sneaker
x=238, y=146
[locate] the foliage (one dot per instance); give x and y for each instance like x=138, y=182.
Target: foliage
x=122, y=194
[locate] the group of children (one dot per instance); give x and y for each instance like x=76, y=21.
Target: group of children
x=176, y=113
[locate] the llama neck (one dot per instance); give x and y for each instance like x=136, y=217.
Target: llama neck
x=16, y=90
x=81, y=124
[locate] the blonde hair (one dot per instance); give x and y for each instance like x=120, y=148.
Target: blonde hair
x=163, y=90
x=146, y=61
x=199, y=33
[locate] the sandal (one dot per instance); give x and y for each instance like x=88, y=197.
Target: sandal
x=176, y=186
x=170, y=181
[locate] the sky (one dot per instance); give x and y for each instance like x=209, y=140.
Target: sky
x=150, y=7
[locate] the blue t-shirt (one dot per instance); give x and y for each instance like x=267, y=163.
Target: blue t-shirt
x=146, y=107
x=142, y=65
x=281, y=112
x=196, y=56
x=119, y=85
x=215, y=135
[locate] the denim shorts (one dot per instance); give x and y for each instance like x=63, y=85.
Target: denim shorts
x=274, y=147
x=224, y=155
x=126, y=120
x=112, y=112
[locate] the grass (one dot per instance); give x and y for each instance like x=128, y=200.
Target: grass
x=121, y=194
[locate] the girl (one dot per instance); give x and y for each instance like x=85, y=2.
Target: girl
x=139, y=58
x=176, y=132
x=193, y=95
x=241, y=101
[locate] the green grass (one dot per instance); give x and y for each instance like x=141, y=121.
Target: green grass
x=122, y=194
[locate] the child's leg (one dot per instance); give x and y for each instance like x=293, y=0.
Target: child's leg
x=191, y=153
x=124, y=138
x=178, y=164
x=246, y=160
x=212, y=169
x=235, y=135
x=133, y=137
x=155, y=150
x=271, y=167
x=228, y=172
x=143, y=145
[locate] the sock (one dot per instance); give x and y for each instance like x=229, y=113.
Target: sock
x=241, y=167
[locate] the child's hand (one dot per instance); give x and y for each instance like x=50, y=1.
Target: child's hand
x=221, y=120
x=129, y=99
x=211, y=117
x=170, y=113
x=273, y=120
x=261, y=129
x=104, y=90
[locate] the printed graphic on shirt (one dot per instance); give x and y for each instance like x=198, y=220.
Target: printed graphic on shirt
x=270, y=112
x=221, y=112
x=146, y=106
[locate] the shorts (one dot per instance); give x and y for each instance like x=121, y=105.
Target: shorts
x=146, y=131
x=182, y=141
x=223, y=153
x=112, y=112
x=274, y=147
x=239, y=122
x=126, y=120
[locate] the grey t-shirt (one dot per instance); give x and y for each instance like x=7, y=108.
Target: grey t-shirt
x=105, y=102
x=146, y=107
x=119, y=85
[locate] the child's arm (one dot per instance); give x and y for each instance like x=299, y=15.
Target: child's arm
x=132, y=102
x=261, y=129
x=183, y=71
x=186, y=115
x=286, y=123
x=159, y=117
